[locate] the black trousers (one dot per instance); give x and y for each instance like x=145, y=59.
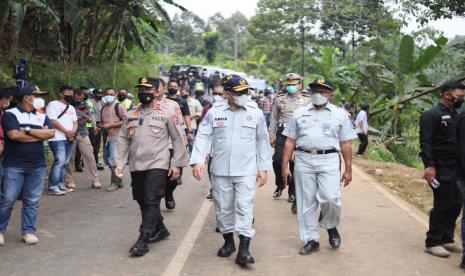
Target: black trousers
x=446, y=209
x=148, y=188
x=279, y=179
x=77, y=158
x=277, y=161
x=172, y=184
x=96, y=141
x=363, y=143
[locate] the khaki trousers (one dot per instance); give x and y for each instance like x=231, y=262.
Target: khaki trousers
x=87, y=153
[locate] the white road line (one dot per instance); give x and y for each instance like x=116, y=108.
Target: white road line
x=180, y=257
x=392, y=198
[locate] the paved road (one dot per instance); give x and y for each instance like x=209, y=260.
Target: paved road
x=89, y=232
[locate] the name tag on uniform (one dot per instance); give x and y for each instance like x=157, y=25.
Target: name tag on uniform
x=249, y=124
x=220, y=122
x=445, y=117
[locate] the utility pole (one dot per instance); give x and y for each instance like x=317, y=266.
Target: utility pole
x=302, y=44
x=236, y=46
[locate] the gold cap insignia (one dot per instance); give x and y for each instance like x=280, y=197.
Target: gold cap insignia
x=321, y=81
x=144, y=80
x=242, y=82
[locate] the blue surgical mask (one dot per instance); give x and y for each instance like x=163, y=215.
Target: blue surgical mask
x=291, y=89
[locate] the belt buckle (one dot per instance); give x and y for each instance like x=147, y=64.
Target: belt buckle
x=314, y=152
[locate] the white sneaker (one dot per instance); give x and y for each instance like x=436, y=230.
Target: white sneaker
x=2, y=240
x=30, y=239
x=453, y=247
x=438, y=251
x=96, y=184
x=71, y=185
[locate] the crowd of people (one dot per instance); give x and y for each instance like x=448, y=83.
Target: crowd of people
x=230, y=135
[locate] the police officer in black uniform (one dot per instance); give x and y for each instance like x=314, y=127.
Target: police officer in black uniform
x=440, y=155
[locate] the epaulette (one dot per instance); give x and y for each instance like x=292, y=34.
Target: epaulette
x=219, y=103
x=305, y=95
x=252, y=104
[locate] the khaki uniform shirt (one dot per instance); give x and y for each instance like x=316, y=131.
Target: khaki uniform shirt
x=109, y=116
x=143, y=142
x=170, y=109
x=283, y=107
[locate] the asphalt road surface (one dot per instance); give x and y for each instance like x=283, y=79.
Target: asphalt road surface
x=89, y=232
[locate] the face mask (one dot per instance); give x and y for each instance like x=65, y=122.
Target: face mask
x=241, y=100
x=261, y=96
x=38, y=103
x=77, y=103
x=172, y=91
x=69, y=98
x=86, y=97
x=109, y=99
x=217, y=98
x=318, y=99
x=458, y=103
x=98, y=98
x=291, y=89
x=184, y=96
x=145, y=98
x=121, y=97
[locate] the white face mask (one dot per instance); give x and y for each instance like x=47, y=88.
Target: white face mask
x=217, y=98
x=318, y=99
x=38, y=103
x=109, y=99
x=241, y=100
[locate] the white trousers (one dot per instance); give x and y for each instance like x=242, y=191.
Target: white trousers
x=233, y=197
x=317, y=182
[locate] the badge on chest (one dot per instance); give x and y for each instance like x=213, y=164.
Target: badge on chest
x=220, y=122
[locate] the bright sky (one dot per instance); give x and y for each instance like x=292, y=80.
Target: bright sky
x=207, y=8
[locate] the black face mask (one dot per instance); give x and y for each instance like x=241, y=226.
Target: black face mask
x=77, y=103
x=69, y=98
x=86, y=98
x=98, y=98
x=121, y=97
x=458, y=103
x=184, y=96
x=145, y=98
x=172, y=91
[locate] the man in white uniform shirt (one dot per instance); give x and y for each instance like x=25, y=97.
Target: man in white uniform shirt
x=361, y=123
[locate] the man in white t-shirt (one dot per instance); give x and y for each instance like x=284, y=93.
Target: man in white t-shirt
x=63, y=117
x=361, y=124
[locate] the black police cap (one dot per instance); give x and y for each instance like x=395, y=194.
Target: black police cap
x=322, y=82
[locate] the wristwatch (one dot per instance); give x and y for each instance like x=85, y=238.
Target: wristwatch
x=27, y=130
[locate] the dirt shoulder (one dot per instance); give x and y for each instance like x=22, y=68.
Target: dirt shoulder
x=404, y=181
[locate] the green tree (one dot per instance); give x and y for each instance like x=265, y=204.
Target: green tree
x=210, y=49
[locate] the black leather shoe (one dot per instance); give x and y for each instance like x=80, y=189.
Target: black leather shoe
x=100, y=168
x=291, y=198
x=334, y=238
x=140, y=248
x=294, y=207
x=210, y=195
x=159, y=235
x=243, y=256
x=462, y=264
x=79, y=169
x=228, y=247
x=217, y=230
x=277, y=193
x=169, y=202
x=309, y=248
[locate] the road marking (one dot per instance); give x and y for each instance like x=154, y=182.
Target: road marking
x=392, y=198
x=182, y=253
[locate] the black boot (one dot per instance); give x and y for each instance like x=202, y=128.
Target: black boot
x=243, y=256
x=160, y=234
x=228, y=247
x=140, y=248
x=169, y=201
